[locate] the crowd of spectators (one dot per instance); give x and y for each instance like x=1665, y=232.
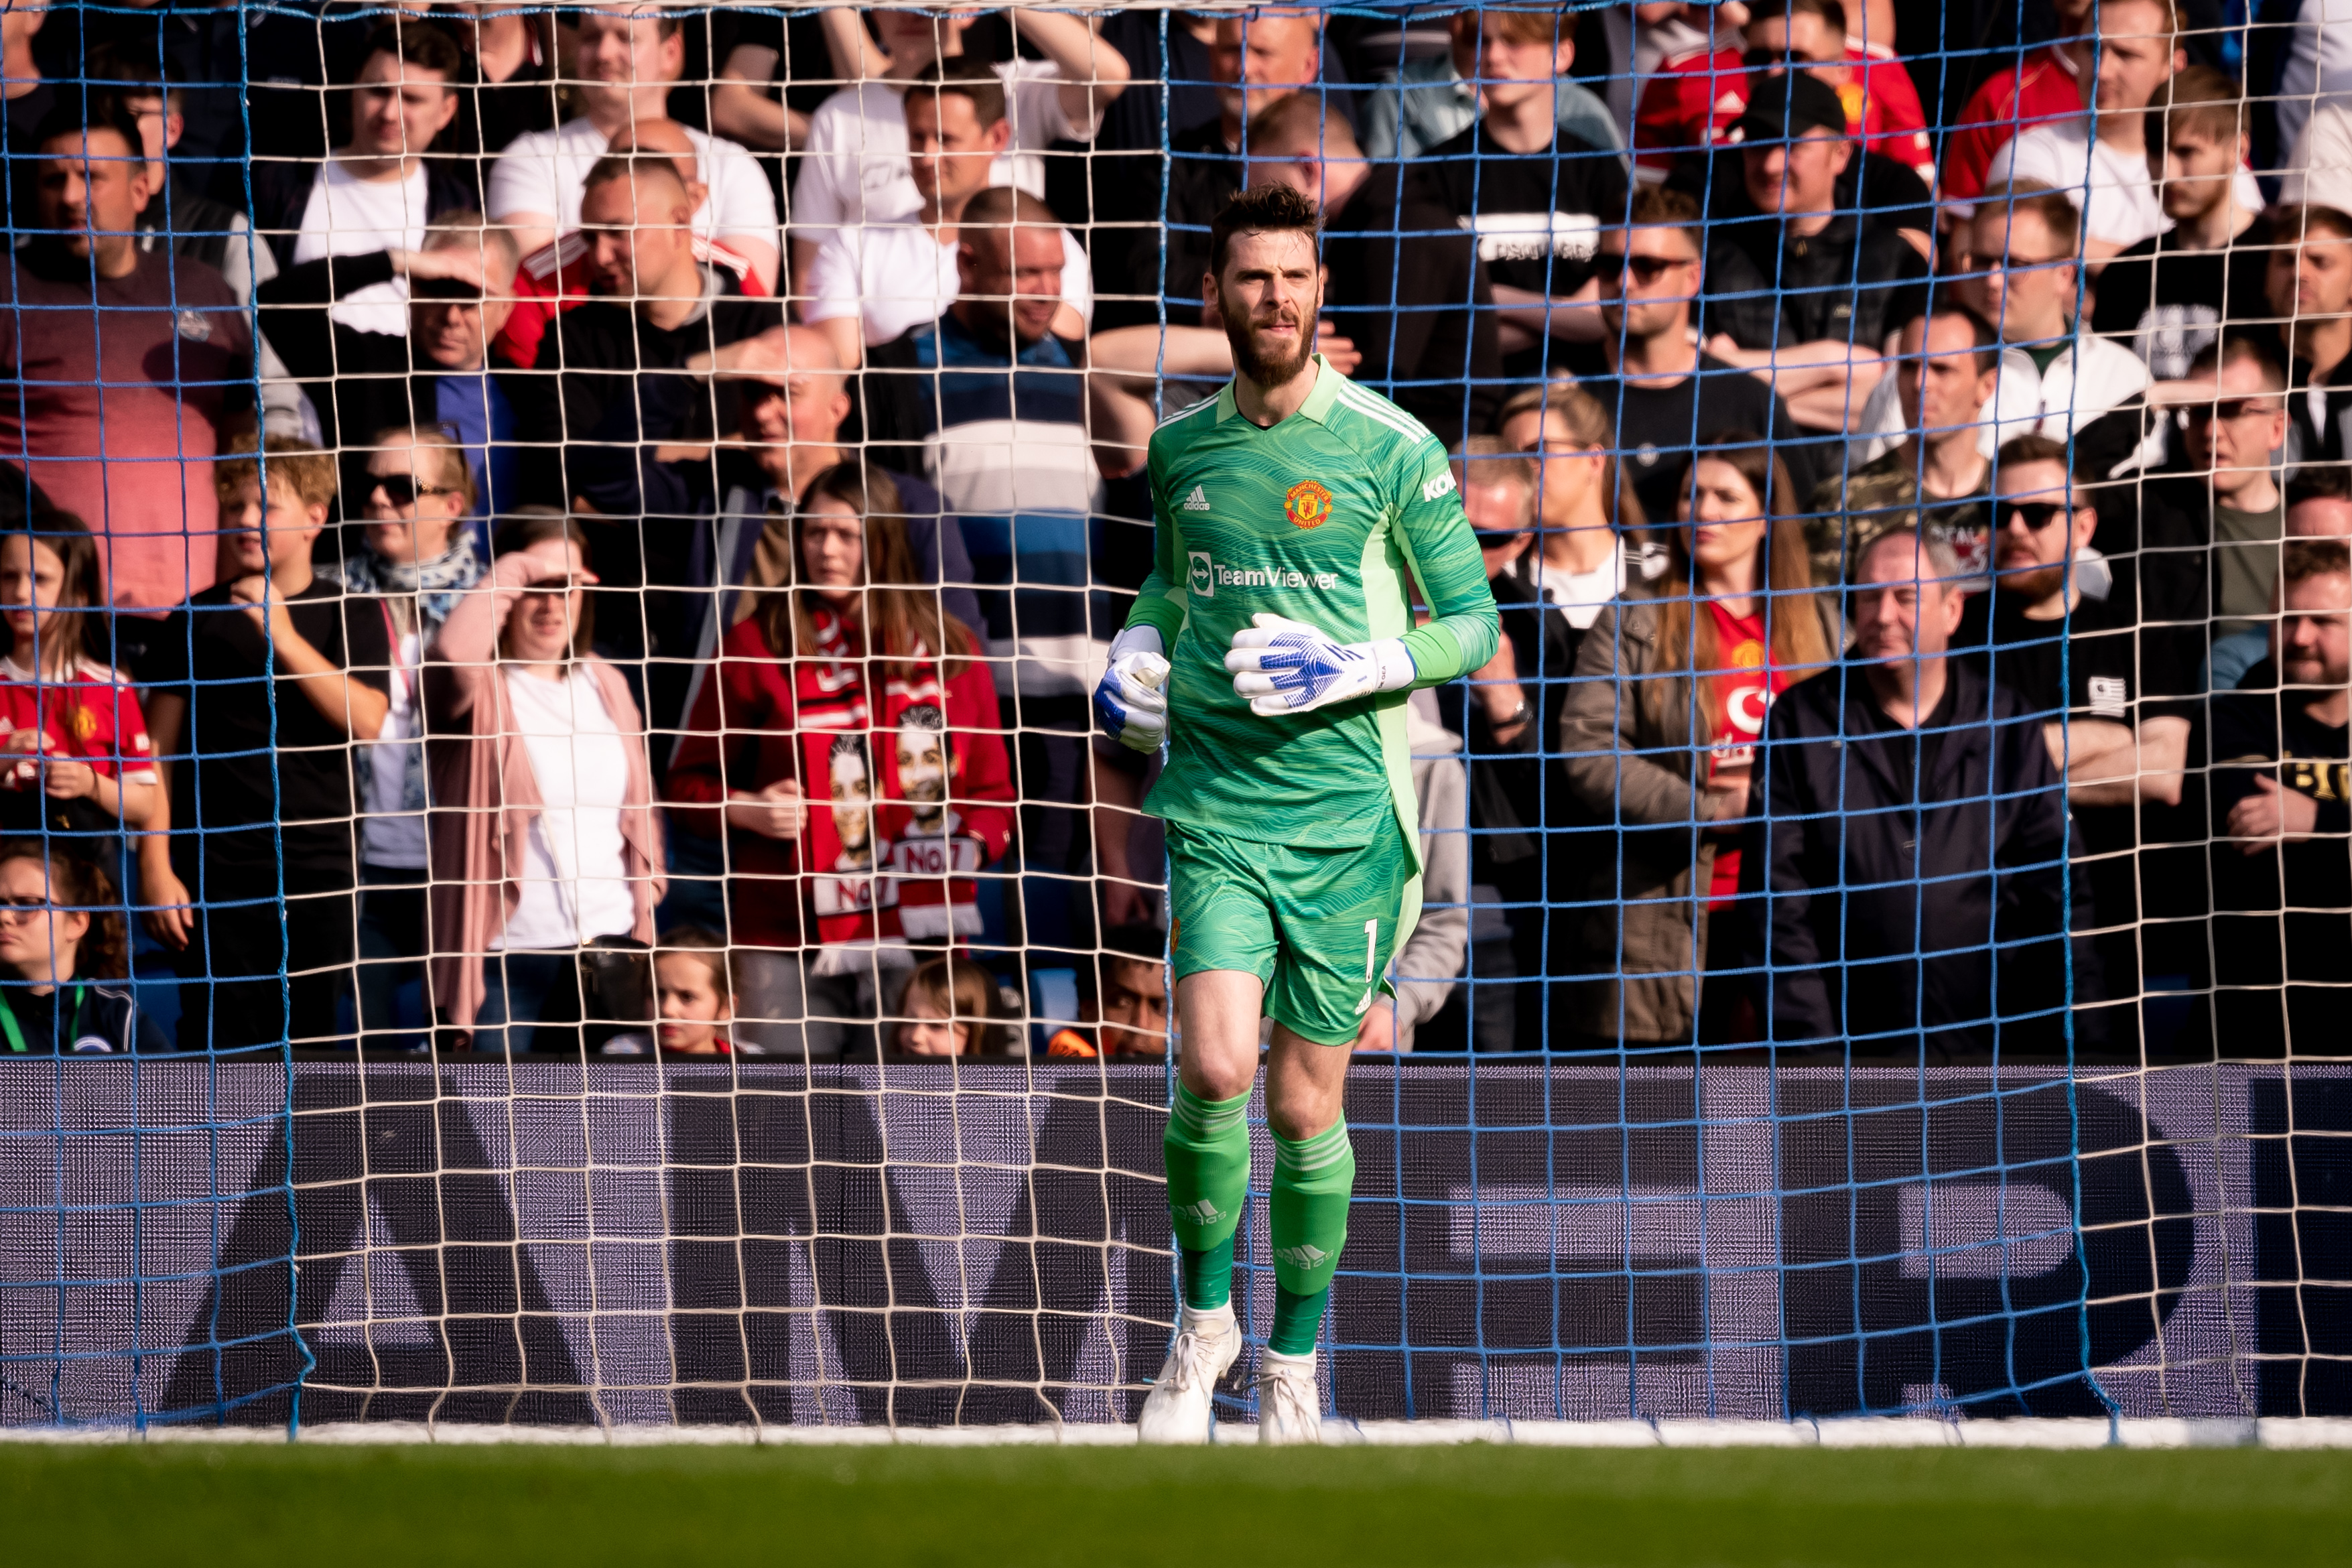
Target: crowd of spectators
x=591, y=531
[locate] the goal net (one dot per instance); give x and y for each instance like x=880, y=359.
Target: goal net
x=559, y=868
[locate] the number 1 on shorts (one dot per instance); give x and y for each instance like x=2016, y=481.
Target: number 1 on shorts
x=1371, y=960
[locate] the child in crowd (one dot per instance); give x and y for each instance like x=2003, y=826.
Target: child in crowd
x=696, y=986
x=1128, y=1005
x=950, y=1011
x=61, y=940
x=267, y=678
x=88, y=769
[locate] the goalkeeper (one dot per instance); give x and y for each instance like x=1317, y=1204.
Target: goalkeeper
x=1272, y=648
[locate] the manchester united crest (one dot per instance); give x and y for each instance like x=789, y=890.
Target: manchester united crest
x=1308, y=504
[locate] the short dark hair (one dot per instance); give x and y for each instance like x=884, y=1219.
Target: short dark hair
x=2238, y=348
x=615, y=166
x=2032, y=447
x=77, y=117
x=2054, y=207
x=2288, y=223
x=2319, y=482
x=971, y=79
x=1655, y=206
x=1269, y=207
x=1135, y=941
x=1982, y=335
x=420, y=44
x=2304, y=558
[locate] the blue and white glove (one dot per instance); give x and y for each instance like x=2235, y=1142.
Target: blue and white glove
x=1132, y=700
x=1288, y=667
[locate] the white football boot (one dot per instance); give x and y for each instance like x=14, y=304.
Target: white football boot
x=1177, y=1410
x=1289, y=1410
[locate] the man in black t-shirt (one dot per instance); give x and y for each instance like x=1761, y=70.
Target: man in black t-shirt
x=1664, y=393
x=660, y=316
x=1807, y=292
x=261, y=801
x=2167, y=297
x=2282, y=780
x=1406, y=284
x=2109, y=687
x=1536, y=198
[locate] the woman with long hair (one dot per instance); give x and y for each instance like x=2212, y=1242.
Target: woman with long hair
x=846, y=748
x=75, y=758
x=1660, y=730
x=546, y=846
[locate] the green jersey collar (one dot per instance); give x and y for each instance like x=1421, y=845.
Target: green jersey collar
x=1316, y=407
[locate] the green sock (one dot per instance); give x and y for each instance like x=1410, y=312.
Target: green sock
x=1308, y=1215
x=1295, y=1319
x=1208, y=1275
x=1207, y=1152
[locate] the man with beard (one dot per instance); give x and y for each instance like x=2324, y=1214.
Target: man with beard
x=2112, y=689
x=988, y=405
x=2280, y=788
x=1271, y=648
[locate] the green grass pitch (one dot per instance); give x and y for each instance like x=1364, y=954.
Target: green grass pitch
x=1097, y=1508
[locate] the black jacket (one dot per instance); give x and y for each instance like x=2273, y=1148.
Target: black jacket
x=1852, y=283
x=1911, y=892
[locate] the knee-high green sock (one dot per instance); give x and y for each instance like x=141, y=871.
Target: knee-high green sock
x=1312, y=1180
x=1207, y=1152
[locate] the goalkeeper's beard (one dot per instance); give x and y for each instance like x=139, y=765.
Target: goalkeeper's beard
x=1264, y=370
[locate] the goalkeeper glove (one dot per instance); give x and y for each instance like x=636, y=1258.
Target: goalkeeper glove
x=1288, y=667
x=1131, y=699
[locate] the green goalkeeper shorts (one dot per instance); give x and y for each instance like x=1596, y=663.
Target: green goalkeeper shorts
x=1316, y=926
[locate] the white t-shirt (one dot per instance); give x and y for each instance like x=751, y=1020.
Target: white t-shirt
x=348, y=216
x=2123, y=206
x=574, y=882
x=853, y=168
x=899, y=275
x=545, y=170
x=392, y=834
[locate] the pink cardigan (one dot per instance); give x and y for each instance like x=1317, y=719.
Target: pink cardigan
x=484, y=797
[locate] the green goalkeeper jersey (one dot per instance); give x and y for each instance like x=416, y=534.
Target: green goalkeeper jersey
x=1317, y=520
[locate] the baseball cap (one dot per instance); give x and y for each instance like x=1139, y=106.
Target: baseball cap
x=1783, y=108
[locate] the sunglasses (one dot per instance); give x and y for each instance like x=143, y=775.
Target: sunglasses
x=2228, y=408
x=2038, y=514
x=402, y=490
x=1646, y=269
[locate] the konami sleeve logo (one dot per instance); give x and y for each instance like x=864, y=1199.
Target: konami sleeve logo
x=1308, y=504
x=1200, y=576
x=1441, y=485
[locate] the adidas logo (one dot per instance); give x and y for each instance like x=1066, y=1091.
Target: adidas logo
x=1197, y=501
x=1201, y=1213
x=1303, y=1256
